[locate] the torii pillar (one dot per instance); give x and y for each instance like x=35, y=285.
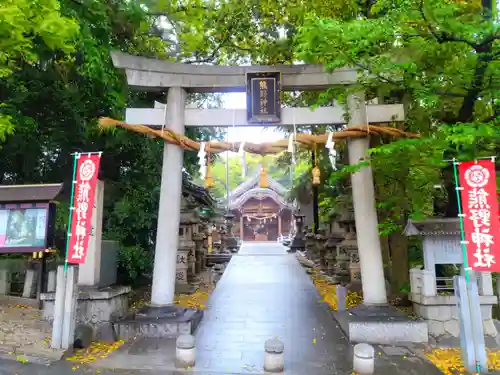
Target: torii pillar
x=167, y=235
x=365, y=213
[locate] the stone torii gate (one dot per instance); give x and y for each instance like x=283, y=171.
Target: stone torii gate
x=153, y=75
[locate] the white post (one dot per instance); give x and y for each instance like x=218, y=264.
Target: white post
x=167, y=236
x=89, y=273
x=485, y=284
x=4, y=281
x=69, y=315
x=363, y=362
x=29, y=283
x=52, y=281
x=365, y=213
x=57, y=325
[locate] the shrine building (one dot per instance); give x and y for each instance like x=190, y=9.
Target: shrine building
x=261, y=214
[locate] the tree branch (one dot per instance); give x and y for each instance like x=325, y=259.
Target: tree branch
x=442, y=37
x=404, y=86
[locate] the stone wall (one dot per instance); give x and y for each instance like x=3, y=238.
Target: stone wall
x=95, y=308
x=443, y=319
x=440, y=310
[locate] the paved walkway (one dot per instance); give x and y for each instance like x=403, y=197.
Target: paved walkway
x=264, y=293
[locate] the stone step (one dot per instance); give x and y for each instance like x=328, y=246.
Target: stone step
x=382, y=325
x=158, y=326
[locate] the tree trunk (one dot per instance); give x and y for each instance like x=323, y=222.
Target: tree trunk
x=386, y=257
x=398, y=243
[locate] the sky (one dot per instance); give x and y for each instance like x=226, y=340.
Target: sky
x=254, y=134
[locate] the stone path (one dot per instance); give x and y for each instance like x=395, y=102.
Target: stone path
x=264, y=293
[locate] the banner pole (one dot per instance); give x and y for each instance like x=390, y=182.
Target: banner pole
x=461, y=221
x=464, y=252
x=70, y=214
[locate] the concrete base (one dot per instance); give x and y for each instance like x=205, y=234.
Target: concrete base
x=96, y=308
x=442, y=317
x=381, y=325
x=159, y=322
x=185, y=288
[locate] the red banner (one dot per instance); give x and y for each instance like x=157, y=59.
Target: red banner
x=480, y=210
x=87, y=170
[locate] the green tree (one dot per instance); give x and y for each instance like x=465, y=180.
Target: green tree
x=441, y=60
x=55, y=103
x=27, y=29
x=253, y=163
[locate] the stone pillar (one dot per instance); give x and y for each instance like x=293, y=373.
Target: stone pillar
x=89, y=273
x=30, y=283
x=485, y=284
x=311, y=247
x=192, y=265
x=4, y=281
x=242, y=226
x=63, y=326
x=199, y=239
x=342, y=264
x=51, y=281
x=192, y=259
x=365, y=213
x=320, y=245
x=279, y=225
x=185, y=253
x=167, y=235
x=331, y=248
x=181, y=271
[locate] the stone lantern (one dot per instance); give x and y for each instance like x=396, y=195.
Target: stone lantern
x=298, y=242
x=349, y=247
x=185, y=252
x=312, y=254
x=320, y=239
x=331, y=254
x=231, y=243
x=199, y=240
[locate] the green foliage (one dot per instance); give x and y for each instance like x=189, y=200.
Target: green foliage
x=253, y=162
x=444, y=54
x=54, y=104
x=441, y=60
x=134, y=265
x=27, y=29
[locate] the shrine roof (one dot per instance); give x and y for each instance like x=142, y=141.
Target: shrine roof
x=259, y=194
x=29, y=193
x=433, y=227
x=254, y=183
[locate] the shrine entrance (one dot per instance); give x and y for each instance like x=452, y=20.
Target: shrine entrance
x=264, y=86
x=260, y=228
x=261, y=214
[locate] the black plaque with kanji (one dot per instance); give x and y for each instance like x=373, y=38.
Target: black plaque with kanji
x=263, y=97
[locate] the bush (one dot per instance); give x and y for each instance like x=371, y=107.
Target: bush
x=135, y=265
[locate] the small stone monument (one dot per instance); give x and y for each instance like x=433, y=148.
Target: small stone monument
x=199, y=240
x=320, y=239
x=231, y=241
x=311, y=249
x=186, y=245
x=331, y=254
x=100, y=301
x=298, y=243
x=437, y=304
x=349, y=248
